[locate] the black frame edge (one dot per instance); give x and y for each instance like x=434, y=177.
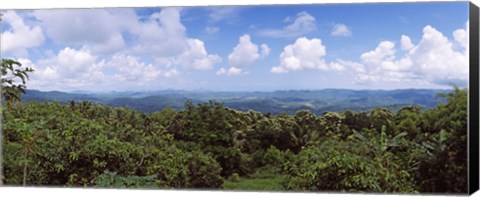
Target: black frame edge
x=473, y=116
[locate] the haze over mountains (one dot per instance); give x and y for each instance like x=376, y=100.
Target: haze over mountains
x=276, y=102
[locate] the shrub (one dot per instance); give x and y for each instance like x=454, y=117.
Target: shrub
x=178, y=169
x=342, y=166
x=112, y=180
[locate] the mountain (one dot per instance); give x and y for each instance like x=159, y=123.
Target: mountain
x=277, y=102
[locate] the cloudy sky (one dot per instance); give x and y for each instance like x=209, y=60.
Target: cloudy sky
x=242, y=48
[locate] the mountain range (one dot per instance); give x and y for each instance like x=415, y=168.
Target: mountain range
x=274, y=102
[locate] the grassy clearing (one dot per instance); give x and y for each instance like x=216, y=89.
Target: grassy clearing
x=256, y=182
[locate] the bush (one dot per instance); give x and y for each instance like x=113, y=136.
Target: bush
x=112, y=180
x=273, y=157
x=234, y=177
x=342, y=166
x=178, y=169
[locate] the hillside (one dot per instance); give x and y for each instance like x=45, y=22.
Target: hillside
x=277, y=102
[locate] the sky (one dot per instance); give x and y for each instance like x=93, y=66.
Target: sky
x=242, y=48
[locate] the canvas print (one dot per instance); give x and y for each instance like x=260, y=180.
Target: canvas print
x=304, y=98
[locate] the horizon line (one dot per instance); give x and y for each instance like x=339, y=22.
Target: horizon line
x=210, y=90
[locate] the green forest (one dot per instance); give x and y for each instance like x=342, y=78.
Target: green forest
x=210, y=146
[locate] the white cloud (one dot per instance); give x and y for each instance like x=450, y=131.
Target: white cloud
x=303, y=54
x=112, y=45
x=337, y=66
x=352, y=66
x=162, y=34
x=196, y=57
x=211, y=29
x=20, y=36
x=246, y=52
x=72, y=68
x=265, y=50
x=230, y=71
x=436, y=58
x=69, y=68
x=222, y=71
x=71, y=62
x=341, y=30
x=100, y=29
x=171, y=73
x=304, y=23
x=432, y=61
x=461, y=36
x=130, y=68
x=278, y=70
x=164, y=37
x=221, y=13
x=384, y=51
x=406, y=43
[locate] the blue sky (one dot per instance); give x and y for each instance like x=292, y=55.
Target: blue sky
x=242, y=48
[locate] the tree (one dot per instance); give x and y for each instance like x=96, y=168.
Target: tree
x=11, y=89
x=332, y=123
x=443, y=168
x=306, y=131
x=381, y=117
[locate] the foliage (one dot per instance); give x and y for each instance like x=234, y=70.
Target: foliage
x=177, y=169
x=334, y=166
x=208, y=145
x=77, y=143
x=256, y=182
x=443, y=164
x=112, y=180
x=10, y=71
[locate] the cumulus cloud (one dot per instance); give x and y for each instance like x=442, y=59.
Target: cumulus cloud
x=100, y=29
x=340, y=30
x=162, y=34
x=164, y=37
x=70, y=62
x=337, y=66
x=302, y=24
x=20, y=37
x=130, y=68
x=86, y=35
x=78, y=68
x=406, y=43
x=384, y=51
x=196, y=57
x=352, y=66
x=265, y=50
x=244, y=54
x=230, y=71
x=69, y=68
x=461, y=36
x=432, y=61
x=309, y=54
x=303, y=54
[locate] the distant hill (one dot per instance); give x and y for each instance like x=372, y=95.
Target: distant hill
x=277, y=102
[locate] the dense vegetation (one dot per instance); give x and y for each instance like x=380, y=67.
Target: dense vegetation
x=210, y=146
x=202, y=146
